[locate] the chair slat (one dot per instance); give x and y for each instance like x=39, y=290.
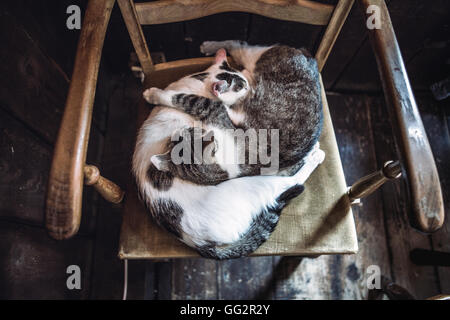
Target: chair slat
x=337, y=20
x=127, y=7
x=166, y=11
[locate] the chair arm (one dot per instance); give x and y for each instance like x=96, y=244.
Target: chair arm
x=65, y=187
x=415, y=152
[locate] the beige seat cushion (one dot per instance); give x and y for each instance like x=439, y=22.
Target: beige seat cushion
x=319, y=221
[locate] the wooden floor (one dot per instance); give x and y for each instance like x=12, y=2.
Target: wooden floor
x=385, y=236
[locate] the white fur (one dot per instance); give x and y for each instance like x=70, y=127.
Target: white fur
x=235, y=116
x=242, y=53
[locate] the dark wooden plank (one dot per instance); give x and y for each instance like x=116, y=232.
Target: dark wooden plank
x=352, y=45
x=435, y=116
x=306, y=278
x=355, y=136
x=107, y=271
x=416, y=24
x=361, y=74
x=121, y=95
x=168, y=38
x=334, y=277
x=422, y=30
x=430, y=64
x=245, y=278
x=420, y=19
x=117, y=46
x=32, y=96
x=163, y=275
x=267, y=31
x=283, y=275
x=194, y=279
x=218, y=27
x=36, y=88
x=122, y=99
x=349, y=41
x=45, y=22
x=421, y=281
x=107, y=279
x=22, y=182
x=34, y=265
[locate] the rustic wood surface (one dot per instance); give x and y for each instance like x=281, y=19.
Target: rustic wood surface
x=415, y=152
x=355, y=136
x=121, y=97
x=421, y=29
x=166, y=11
x=129, y=14
x=367, y=185
x=436, y=119
x=28, y=253
x=32, y=99
x=108, y=189
x=334, y=26
x=289, y=33
x=65, y=189
x=401, y=237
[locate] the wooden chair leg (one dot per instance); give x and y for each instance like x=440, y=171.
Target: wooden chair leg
x=368, y=184
x=108, y=189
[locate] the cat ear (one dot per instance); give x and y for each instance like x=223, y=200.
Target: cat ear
x=221, y=55
x=160, y=161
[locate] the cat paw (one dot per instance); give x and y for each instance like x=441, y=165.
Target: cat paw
x=209, y=48
x=311, y=162
x=151, y=95
x=317, y=156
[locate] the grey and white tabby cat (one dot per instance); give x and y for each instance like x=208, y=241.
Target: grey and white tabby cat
x=277, y=89
x=222, y=209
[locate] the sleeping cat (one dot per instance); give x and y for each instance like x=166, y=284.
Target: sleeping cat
x=232, y=218
x=277, y=89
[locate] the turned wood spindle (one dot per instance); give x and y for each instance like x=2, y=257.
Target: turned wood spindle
x=108, y=189
x=368, y=184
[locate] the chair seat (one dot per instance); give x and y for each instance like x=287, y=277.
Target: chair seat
x=319, y=221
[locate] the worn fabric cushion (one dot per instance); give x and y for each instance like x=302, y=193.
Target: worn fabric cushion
x=319, y=221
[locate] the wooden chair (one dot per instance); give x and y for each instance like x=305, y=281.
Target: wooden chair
x=320, y=220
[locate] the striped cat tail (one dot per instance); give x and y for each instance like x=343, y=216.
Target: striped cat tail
x=259, y=231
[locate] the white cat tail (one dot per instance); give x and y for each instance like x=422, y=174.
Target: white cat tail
x=258, y=232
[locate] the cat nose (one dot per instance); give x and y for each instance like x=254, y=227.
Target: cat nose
x=219, y=87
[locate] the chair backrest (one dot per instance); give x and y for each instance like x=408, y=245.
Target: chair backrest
x=165, y=11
